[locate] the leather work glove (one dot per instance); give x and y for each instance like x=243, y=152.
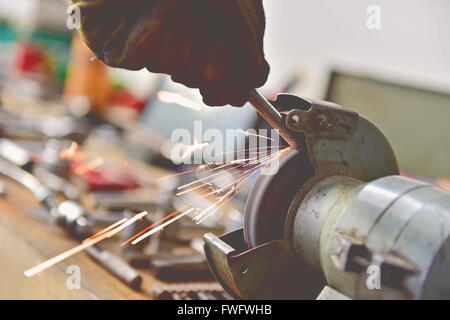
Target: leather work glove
x=213, y=45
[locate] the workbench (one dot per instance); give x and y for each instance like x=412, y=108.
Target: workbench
x=27, y=241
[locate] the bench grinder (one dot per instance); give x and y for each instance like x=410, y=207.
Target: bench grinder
x=336, y=220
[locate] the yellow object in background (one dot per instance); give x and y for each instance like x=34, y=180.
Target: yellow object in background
x=88, y=77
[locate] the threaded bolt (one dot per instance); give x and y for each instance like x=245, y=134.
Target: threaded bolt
x=272, y=116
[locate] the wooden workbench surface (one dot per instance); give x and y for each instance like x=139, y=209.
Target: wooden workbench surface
x=26, y=241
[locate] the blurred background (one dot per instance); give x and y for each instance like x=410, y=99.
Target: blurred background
x=387, y=60
x=396, y=74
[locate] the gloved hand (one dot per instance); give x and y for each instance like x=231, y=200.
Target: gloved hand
x=214, y=45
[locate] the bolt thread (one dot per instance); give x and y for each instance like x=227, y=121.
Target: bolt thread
x=272, y=116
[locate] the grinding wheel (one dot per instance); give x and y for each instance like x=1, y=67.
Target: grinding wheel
x=271, y=195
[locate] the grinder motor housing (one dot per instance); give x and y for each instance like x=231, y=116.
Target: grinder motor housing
x=336, y=221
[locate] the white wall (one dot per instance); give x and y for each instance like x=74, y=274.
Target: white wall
x=309, y=36
x=413, y=44
x=30, y=13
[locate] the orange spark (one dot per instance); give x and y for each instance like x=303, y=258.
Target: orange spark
x=229, y=195
x=246, y=133
x=250, y=149
x=102, y=235
x=235, y=187
x=244, y=160
x=149, y=227
x=201, y=167
x=189, y=150
x=162, y=226
x=220, y=165
x=205, y=181
x=204, y=214
x=114, y=225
